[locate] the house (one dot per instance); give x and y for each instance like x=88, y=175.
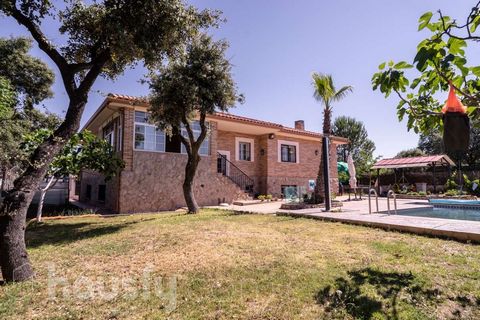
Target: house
x=241, y=157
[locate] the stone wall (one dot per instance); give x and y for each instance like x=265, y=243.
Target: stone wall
x=95, y=179
x=155, y=183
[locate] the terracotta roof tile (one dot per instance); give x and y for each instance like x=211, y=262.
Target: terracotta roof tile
x=230, y=116
x=127, y=97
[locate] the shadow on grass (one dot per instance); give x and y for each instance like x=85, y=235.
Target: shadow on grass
x=64, y=233
x=365, y=292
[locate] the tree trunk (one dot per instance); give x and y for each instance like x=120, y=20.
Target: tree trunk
x=327, y=120
x=190, y=171
x=4, y=177
x=13, y=209
x=319, y=191
x=43, y=192
x=14, y=260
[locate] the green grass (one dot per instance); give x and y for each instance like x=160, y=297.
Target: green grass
x=217, y=265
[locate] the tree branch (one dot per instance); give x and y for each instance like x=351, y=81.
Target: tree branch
x=444, y=77
x=447, y=30
x=204, y=129
x=97, y=65
x=45, y=45
x=413, y=108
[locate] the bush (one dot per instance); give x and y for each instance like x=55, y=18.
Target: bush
x=343, y=177
x=262, y=197
x=452, y=193
x=472, y=186
x=268, y=197
x=422, y=193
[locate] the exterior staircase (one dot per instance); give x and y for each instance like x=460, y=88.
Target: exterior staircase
x=235, y=174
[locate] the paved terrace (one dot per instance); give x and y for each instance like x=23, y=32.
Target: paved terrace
x=356, y=212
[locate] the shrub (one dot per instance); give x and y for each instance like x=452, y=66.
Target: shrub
x=422, y=193
x=472, y=186
x=262, y=197
x=451, y=193
x=268, y=197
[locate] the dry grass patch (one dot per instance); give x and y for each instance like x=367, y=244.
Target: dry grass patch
x=225, y=266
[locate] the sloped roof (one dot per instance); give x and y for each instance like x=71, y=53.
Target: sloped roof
x=229, y=116
x=413, y=162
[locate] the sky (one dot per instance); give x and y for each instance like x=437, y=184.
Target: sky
x=276, y=45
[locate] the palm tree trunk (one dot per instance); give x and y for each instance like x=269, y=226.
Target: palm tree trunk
x=319, y=191
x=327, y=120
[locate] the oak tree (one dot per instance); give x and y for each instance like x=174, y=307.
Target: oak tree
x=190, y=87
x=99, y=39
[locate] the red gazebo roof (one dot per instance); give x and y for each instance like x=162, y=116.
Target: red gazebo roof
x=413, y=162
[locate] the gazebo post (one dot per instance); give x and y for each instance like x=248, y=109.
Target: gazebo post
x=434, y=184
x=378, y=181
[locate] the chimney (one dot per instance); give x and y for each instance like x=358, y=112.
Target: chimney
x=300, y=125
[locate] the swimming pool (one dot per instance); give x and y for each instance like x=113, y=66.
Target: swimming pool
x=443, y=213
x=454, y=201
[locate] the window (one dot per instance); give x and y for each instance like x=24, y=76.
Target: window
x=109, y=133
x=119, y=135
x=147, y=136
x=244, y=149
x=288, y=153
x=101, y=192
x=112, y=133
x=205, y=147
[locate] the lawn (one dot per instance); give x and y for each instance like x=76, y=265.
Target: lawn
x=218, y=265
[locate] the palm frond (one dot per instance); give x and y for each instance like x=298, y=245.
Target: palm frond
x=342, y=93
x=322, y=87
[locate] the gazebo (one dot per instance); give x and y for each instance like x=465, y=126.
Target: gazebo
x=413, y=162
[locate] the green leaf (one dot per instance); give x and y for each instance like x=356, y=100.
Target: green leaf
x=382, y=66
x=455, y=46
x=402, y=65
x=471, y=110
x=424, y=20
x=475, y=23
x=476, y=71
x=421, y=59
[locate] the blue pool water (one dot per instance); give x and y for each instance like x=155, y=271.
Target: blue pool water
x=444, y=213
x=453, y=201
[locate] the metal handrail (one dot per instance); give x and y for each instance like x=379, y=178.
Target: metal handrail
x=391, y=192
x=370, y=201
x=235, y=174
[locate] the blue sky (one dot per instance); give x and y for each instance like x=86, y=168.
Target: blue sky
x=275, y=45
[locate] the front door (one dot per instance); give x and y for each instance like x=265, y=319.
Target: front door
x=223, y=162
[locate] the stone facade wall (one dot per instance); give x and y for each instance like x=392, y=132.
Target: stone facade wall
x=155, y=183
x=95, y=179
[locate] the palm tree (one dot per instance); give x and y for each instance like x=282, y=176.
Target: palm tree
x=326, y=93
